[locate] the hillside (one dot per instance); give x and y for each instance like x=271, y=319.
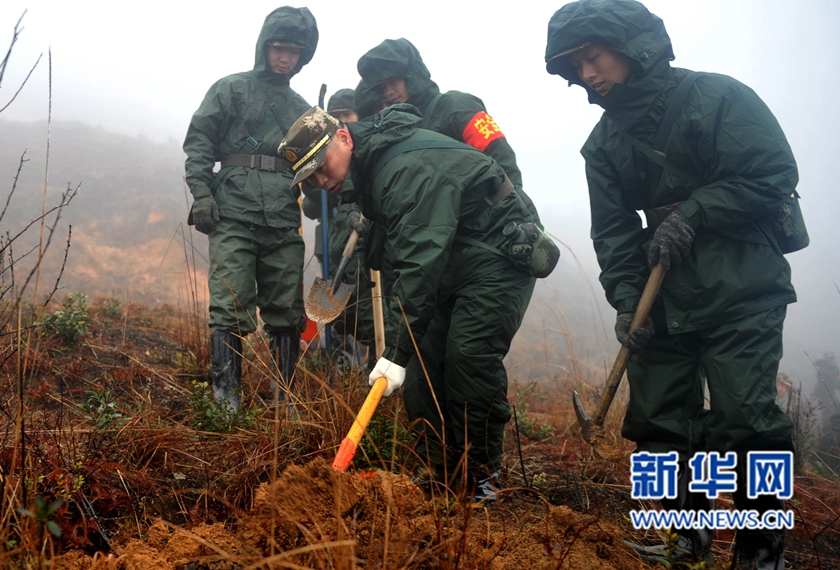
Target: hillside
x=123, y=462
x=130, y=240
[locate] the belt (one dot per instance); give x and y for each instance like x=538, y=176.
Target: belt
x=258, y=161
x=505, y=188
x=656, y=216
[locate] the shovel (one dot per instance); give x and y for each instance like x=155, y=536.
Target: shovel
x=587, y=425
x=347, y=449
x=325, y=302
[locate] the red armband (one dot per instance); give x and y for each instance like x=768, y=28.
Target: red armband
x=481, y=131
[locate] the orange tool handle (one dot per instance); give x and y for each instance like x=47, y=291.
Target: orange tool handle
x=347, y=449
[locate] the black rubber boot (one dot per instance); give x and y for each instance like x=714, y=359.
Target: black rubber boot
x=285, y=351
x=226, y=356
x=757, y=549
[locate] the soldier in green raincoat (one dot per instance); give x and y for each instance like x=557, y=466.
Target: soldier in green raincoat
x=443, y=206
x=247, y=209
x=395, y=70
x=711, y=223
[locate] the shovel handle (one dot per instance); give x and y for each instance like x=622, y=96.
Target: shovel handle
x=623, y=357
x=347, y=449
x=345, y=257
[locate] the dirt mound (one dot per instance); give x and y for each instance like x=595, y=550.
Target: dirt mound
x=313, y=516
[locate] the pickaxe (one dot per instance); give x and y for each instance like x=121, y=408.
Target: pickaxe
x=617, y=371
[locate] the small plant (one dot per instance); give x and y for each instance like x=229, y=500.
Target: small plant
x=70, y=321
x=112, y=307
x=541, y=484
x=102, y=410
x=530, y=426
x=208, y=416
x=42, y=514
x=386, y=440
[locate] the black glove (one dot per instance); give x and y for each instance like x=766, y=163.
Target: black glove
x=355, y=221
x=205, y=214
x=637, y=340
x=671, y=242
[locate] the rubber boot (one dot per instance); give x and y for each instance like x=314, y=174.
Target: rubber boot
x=757, y=549
x=285, y=351
x=226, y=356
x=691, y=545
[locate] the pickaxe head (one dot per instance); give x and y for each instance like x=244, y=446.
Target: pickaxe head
x=584, y=421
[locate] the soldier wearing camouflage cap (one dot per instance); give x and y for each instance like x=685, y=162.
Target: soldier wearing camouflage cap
x=442, y=206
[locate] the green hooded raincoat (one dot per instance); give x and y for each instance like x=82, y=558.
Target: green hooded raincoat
x=462, y=303
x=460, y=116
x=257, y=240
x=719, y=313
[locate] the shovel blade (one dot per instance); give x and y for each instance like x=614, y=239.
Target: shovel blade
x=323, y=305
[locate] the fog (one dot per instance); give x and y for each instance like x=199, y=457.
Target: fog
x=144, y=70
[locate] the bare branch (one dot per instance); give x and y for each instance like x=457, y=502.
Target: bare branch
x=63, y=265
x=15, y=35
x=14, y=184
x=5, y=61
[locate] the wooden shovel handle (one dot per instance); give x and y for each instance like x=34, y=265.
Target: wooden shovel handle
x=347, y=450
x=378, y=317
x=351, y=244
x=623, y=357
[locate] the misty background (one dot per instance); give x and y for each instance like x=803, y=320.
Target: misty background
x=126, y=80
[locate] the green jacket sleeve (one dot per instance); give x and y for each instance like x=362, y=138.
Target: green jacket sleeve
x=205, y=134
x=616, y=232
x=739, y=148
x=467, y=120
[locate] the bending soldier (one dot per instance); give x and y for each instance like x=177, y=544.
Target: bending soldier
x=450, y=278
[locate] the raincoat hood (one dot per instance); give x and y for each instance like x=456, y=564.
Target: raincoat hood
x=341, y=100
x=366, y=100
x=398, y=58
x=625, y=26
x=286, y=24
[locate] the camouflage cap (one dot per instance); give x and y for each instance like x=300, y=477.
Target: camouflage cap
x=306, y=143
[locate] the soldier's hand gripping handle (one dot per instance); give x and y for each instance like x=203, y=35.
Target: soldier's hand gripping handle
x=671, y=242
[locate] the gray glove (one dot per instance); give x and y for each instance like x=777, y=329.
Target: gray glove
x=205, y=214
x=355, y=221
x=637, y=340
x=671, y=242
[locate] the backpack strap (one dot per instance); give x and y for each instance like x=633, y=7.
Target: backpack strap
x=415, y=142
x=253, y=141
x=418, y=141
x=665, y=128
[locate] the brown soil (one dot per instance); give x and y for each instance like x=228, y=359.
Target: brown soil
x=316, y=517
x=172, y=496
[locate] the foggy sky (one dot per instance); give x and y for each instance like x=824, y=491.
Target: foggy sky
x=144, y=70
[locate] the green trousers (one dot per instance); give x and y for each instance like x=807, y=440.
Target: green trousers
x=481, y=303
x=739, y=361
x=255, y=267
